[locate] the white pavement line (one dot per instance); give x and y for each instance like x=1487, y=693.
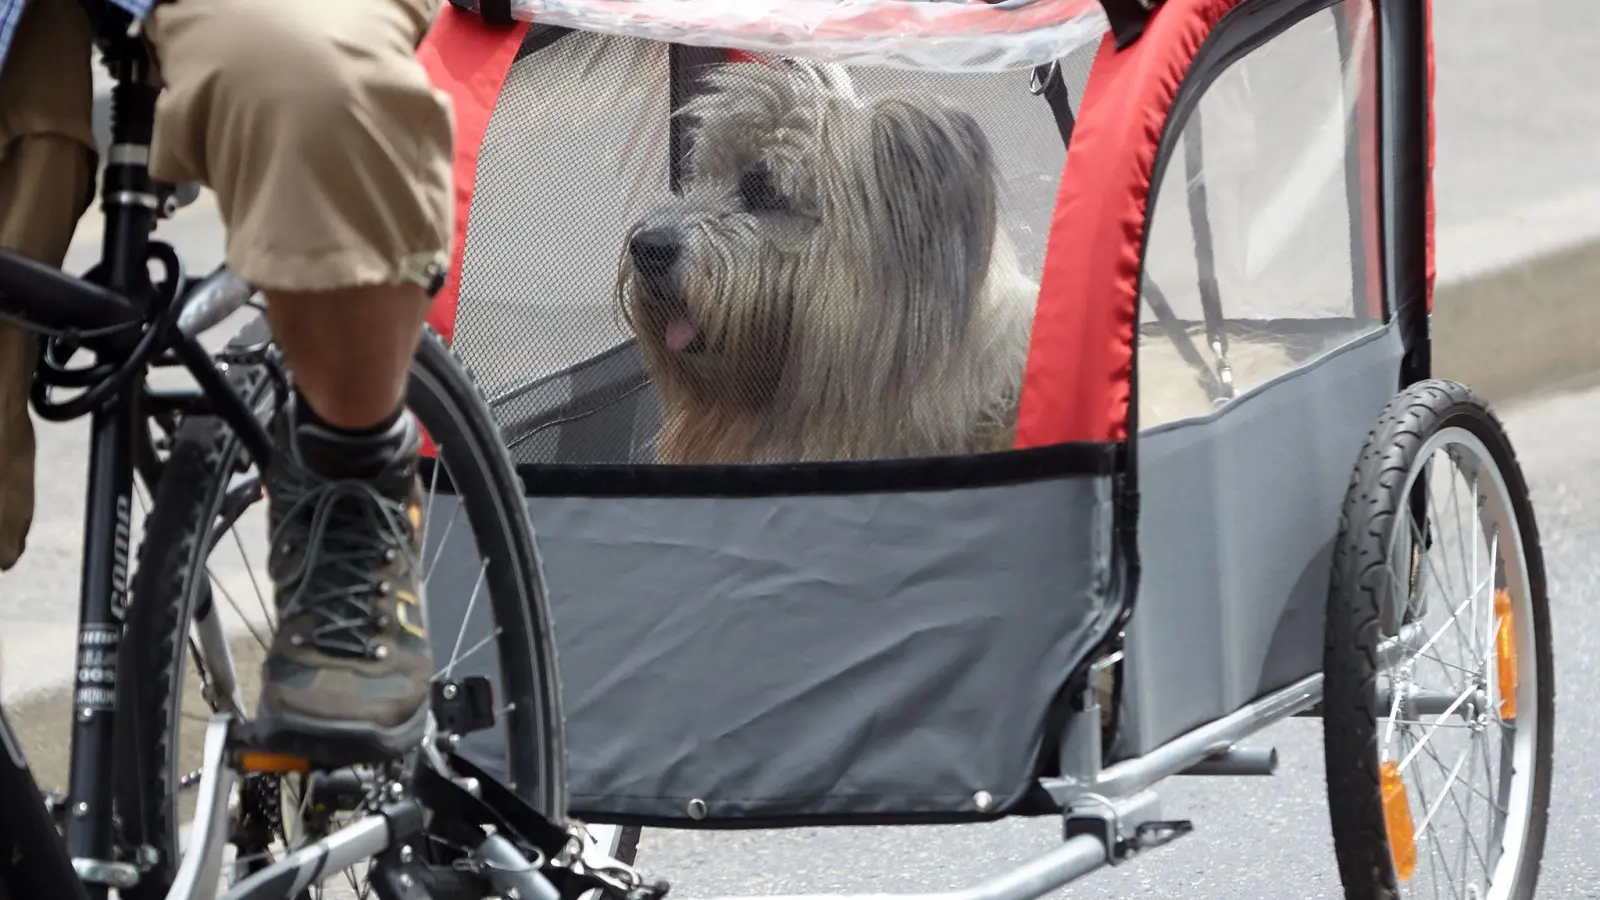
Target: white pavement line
x=1539, y=229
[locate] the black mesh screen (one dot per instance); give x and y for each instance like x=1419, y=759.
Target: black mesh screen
x=822, y=300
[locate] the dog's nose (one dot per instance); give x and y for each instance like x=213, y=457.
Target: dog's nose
x=654, y=251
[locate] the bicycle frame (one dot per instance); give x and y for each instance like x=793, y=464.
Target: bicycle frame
x=118, y=313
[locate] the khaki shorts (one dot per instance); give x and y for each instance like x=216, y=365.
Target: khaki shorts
x=327, y=148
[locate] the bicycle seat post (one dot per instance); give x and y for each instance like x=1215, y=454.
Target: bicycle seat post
x=128, y=196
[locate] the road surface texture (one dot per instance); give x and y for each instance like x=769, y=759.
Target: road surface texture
x=1518, y=180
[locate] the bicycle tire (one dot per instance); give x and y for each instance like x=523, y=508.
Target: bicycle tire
x=1378, y=498
x=178, y=540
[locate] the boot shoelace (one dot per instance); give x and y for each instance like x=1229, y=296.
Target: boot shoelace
x=353, y=530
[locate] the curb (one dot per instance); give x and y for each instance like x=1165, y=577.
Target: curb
x=1522, y=329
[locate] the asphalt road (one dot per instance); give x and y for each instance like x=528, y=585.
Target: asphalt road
x=1517, y=128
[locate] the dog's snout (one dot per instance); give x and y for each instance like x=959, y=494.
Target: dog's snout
x=654, y=250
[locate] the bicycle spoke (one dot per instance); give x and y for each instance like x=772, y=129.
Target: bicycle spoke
x=444, y=542
x=455, y=652
x=433, y=491
x=226, y=595
x=473, y=649
x=250, y=568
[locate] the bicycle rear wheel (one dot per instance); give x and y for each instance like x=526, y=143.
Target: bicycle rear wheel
x=190, y=638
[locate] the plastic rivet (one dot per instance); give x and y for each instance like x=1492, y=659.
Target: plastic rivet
x=983, y=800
x=697, y=809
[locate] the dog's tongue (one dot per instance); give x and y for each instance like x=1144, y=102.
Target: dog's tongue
x=680, y=334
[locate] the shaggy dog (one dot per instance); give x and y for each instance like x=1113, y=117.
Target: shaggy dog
x=833, y=283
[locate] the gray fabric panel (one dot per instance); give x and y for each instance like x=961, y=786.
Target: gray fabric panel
x=875, y=655
x=1236, y=527
x=602, y=411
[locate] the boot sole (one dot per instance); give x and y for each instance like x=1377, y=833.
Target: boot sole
x=336, y=744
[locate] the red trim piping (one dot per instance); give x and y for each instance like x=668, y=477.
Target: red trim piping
x=1076, y=387
x=468, y=59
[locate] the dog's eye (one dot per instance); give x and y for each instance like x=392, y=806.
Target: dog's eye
x=756, y=190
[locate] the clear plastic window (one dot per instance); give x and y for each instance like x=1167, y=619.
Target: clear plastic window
x=1261, y=252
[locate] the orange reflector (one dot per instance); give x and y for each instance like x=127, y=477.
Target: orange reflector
x=1505, y=651
x=1397, y=820
x=272, y=763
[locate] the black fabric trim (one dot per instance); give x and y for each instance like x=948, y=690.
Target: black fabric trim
x=539, y=37
x=805, y=479
x=1054, y=89
x=1128, y=18
x=799, y=820
x=495, y=12
x=1403, y=164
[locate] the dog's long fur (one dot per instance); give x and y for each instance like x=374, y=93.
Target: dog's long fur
x=833, y=283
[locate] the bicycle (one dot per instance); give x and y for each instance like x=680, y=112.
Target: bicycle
x=199, y=451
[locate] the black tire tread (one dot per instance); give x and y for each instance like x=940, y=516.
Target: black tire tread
x=1373, y=503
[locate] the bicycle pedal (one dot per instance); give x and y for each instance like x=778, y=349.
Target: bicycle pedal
x=1151, y=835
x=654, y=891
x=258, y=762
x=257, y=751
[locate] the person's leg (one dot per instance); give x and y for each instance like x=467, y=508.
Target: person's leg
x=330, y=155
x=47, y=161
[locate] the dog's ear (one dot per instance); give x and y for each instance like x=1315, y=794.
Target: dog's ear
x=828, y=77
x=738, y=109
x=936, y=197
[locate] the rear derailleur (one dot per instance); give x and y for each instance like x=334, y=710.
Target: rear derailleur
x=483, y=839
x=591, y=869
x=455, y=861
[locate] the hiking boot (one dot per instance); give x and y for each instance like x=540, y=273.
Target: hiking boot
x=347, y=677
